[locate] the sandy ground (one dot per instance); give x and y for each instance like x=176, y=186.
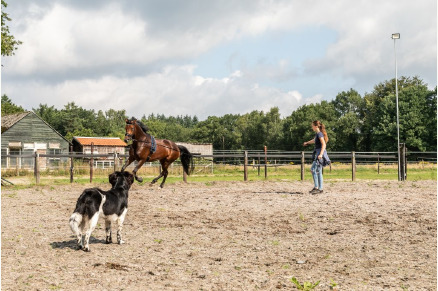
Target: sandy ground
x=367, y=235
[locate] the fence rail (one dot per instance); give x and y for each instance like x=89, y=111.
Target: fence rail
x=259, y=159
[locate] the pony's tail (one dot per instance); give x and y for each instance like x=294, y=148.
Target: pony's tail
x=186, y=160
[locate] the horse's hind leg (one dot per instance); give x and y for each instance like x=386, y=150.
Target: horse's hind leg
x=164, y=179
x=156, y=179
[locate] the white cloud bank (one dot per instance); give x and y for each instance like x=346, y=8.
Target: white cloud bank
x=109, y=56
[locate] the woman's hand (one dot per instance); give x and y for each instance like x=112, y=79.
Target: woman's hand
x=305, y=143
x=319, y=157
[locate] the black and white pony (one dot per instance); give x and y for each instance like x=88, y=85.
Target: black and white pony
x=112, y=204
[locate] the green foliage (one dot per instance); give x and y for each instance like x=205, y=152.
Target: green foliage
x=305, y=286
x=8, y=107
x=353, y=122
x=9, y=43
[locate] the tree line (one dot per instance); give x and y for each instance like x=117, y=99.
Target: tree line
x=353, y=122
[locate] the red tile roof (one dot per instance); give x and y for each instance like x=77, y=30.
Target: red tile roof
x=100, y=141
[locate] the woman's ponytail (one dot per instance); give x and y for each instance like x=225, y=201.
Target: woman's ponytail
x=321, y=127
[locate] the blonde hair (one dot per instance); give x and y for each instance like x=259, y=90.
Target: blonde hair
x=321, y=127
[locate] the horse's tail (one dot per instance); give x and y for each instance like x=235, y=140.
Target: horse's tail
x=186, y=160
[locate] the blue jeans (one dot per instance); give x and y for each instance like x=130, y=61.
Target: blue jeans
x=316, y=170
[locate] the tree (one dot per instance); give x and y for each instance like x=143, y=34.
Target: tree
x=8, y=107
x=9, y=43
x=349, y=107
x=417, y=111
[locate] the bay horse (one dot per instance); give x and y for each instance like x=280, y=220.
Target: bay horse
x=166, y=151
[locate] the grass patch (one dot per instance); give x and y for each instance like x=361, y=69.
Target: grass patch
x=208, y=176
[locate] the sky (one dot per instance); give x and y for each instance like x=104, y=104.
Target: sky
x=211, y=58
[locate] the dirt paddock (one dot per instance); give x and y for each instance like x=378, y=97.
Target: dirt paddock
x=367, y=235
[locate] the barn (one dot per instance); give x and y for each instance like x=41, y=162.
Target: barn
x=101, y=146
x=26, y=133
x=198, y=148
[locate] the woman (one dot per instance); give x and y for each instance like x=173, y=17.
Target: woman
x=319, y=154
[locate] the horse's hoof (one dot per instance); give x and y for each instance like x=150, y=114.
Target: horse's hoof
x=151, y=184
x=87, y=250
x=161, y=186
x=139, y=179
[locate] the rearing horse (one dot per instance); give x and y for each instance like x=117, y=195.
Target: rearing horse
x=166, y=151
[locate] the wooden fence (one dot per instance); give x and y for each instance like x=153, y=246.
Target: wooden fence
x=264, y=159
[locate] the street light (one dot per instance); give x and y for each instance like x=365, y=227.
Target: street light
x=394, y=37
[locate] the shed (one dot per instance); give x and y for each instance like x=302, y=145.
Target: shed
x=102, y=145
x=26, y=133
x=198, y=148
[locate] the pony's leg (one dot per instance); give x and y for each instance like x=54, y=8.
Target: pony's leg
x=134, y=172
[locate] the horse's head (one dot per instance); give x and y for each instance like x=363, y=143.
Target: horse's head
x=129, y=129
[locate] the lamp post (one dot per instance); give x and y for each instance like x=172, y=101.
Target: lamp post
x=394, y=37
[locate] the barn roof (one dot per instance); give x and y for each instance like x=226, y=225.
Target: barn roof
x=100, y=141
x=9, y=120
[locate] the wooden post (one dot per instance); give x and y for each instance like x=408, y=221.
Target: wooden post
x=116, y=161
x=378, y=163
x=37, y=168
x=406, y=162
x=245, y=167
x=71, y=164
x=266, y=162
x=91, y=163
x=258, y=166
x=403, y=161
x=353, y=166
x=302, y=166
x=17, y=167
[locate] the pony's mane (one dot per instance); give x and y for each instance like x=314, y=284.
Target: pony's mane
x=141, y=124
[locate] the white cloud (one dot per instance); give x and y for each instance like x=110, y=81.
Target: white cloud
x=120, y=57
x=173, y=91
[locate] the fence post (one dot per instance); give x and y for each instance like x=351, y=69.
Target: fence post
x=245, y=166
x=378, y=163
x=403, y=161
x=37, y=168
x=91, y=162
x=116, y=161
x=302, y=166
x=17, y=168
x=71, y=164
x=353, y=166
x=266, y=162
x=258, y=166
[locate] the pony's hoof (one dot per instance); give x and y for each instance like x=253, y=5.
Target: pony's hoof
x=161, y=186
x=139, y=179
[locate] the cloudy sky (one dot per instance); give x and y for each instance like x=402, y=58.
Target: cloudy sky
x=205, y=58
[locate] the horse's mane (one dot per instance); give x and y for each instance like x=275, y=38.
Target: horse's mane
x=141, y=124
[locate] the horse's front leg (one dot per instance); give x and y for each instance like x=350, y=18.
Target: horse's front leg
x=134, y=172
x=127, y=163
